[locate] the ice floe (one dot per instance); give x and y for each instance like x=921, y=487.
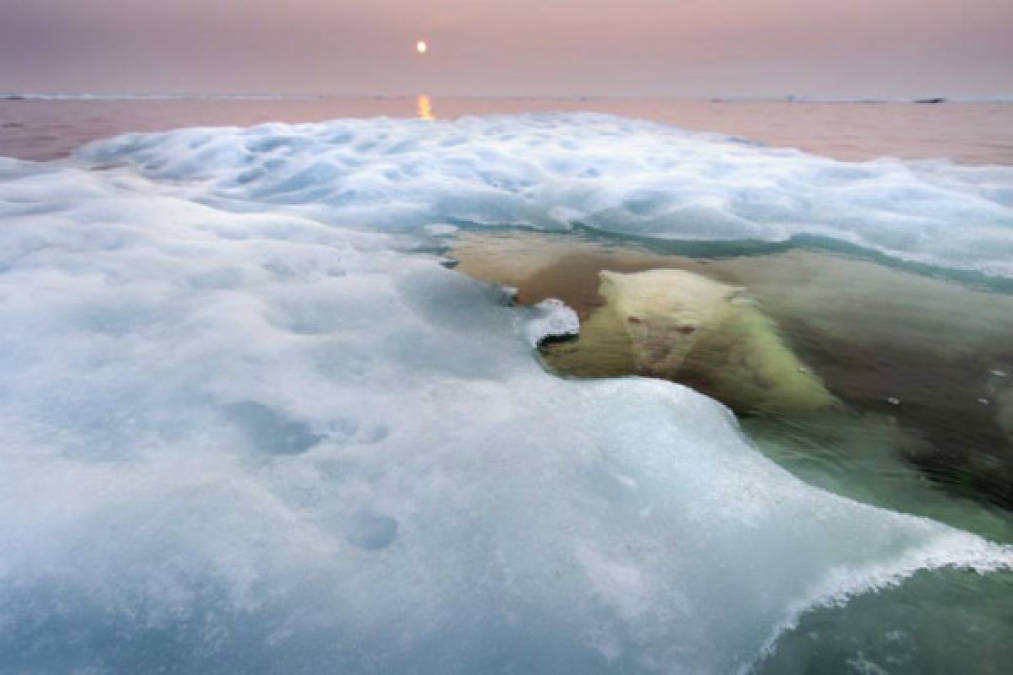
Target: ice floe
x=554, y=171
x=240, y=436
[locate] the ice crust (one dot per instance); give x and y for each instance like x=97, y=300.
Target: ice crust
x=610, y=173
x=238, y=437
x=551, y=318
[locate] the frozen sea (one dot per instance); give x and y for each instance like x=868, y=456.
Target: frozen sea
x=273, y=396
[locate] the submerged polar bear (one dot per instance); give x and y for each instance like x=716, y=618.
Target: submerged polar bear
x=682, y=326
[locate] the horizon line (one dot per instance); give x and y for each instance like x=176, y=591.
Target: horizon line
x=800, y=98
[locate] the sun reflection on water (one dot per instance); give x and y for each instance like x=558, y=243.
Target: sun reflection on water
x=425, y=107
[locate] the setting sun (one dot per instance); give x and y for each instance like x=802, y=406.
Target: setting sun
x=421, y=47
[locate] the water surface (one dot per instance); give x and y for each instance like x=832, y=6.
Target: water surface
x=968, y=132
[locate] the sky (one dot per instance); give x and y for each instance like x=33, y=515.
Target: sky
x=510, y=47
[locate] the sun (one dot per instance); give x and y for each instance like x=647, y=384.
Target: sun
x=421, y=47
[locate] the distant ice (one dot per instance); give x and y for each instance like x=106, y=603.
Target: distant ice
x=59, y=96
x=555, y=171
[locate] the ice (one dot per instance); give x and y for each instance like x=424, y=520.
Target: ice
x=551, y=318
x=126, y=96
x=610, y=173
x=371, y=531
x=270, y=431
x=237, y=435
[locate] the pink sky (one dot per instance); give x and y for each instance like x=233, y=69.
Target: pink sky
x=523, y=47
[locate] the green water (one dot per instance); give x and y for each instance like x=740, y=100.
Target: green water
x=948, y=621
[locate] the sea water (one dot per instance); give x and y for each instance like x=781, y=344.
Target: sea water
x=252, y=422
